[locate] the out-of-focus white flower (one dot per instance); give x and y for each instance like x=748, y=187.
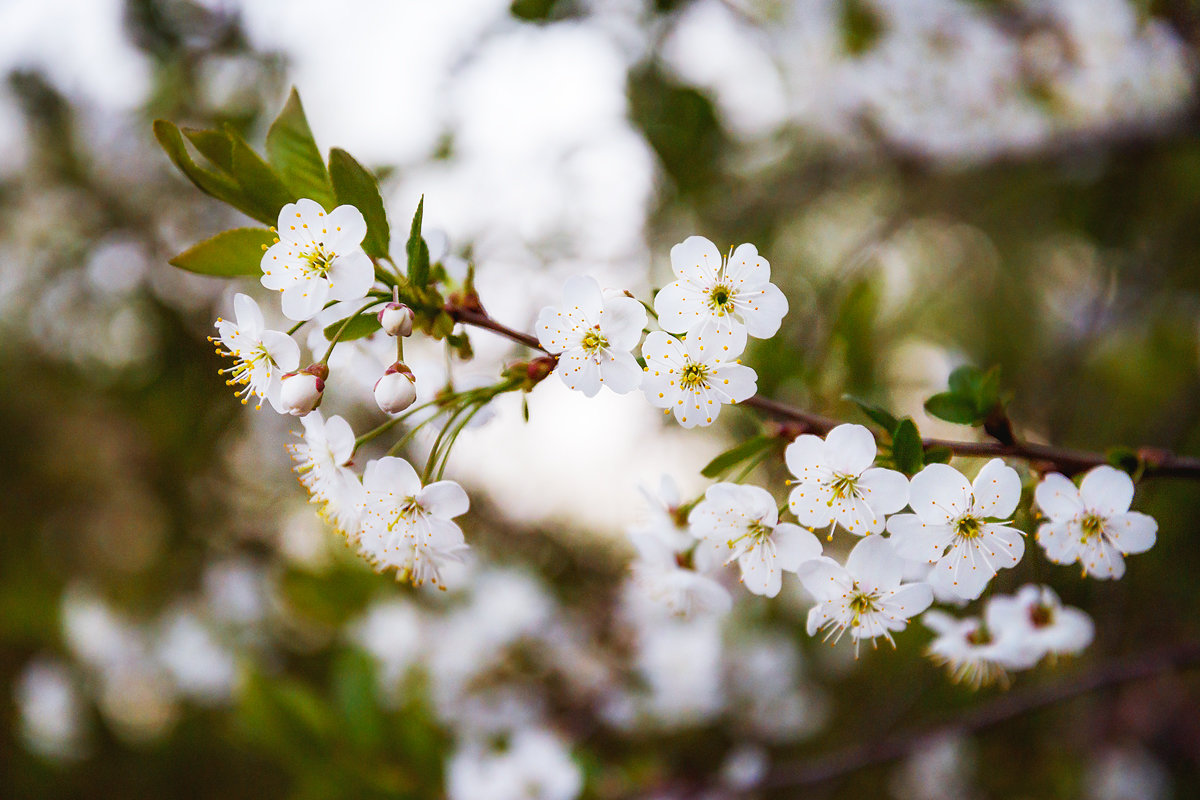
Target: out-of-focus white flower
x=952, y=513
x=973, y=653
x=1036, y=617
x=96, y=635
x=837, y=484
x=396, y=390
x=201, y=668
x=536, y=765
x=1126, y=773
x=407, y=527
x=741, y=523
x=681, y=591
x=712, y=294
x=865, y=596
x=391, y=632
x=321, y=456
x=745, y=767
x=318, y=257
x=51, y=713
x=663, y=520
x=261, y=356
x=593, y=336
x=937, y=770
x=1093, y=524
x=680, y=663
x=694, y=377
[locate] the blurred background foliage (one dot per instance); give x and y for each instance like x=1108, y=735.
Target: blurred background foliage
x=1072, y=263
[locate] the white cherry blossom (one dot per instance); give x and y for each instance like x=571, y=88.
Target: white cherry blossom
x=865, y=597
x=1035, y=616
x=966, y=518
x=1093, y=524
x=973, y=653
x=741, y=523
x=593, y=336
x=693, y=377
x=836, y=484
x=321, y=457
x=681, y=591
x=710, y=292
x=318, y=257
x=408, y=527
x=663, y=519
x=261, y=356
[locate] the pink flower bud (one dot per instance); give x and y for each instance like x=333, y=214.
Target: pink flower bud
x=300, y=391
x=396, y=319
x=396, y=390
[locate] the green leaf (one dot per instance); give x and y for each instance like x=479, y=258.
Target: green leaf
x=965, y=381
x=938, y=455
x=879, y=416
x=987, y=391
x=284, y=715
x=229, y=254
x=354, y=692
x=736, y=455
x=906, y=447
x=361, y=326
x=1124, y=458
x=216, y=184
x=354, y=185
x=292, y=150
x=953, y=407
x=417, y=250
x=213, y=145
x=261, y=185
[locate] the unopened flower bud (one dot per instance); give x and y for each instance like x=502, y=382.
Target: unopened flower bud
x=396, y=390
x=396, y=319
x=300, y=391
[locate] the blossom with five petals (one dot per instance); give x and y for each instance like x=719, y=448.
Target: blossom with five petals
x=693, y=377
x=261, y=356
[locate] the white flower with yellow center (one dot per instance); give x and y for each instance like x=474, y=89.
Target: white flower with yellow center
x=692, y=378
x=1036, y=617
x=593, y=336
x=322, y=457
x=723, y=294
x=318, y=258
x=973, y=653
x=261, y=356
x=964, y=517
x=407, y=527
x=837, y=484
x=741, y=523
x=865, y=597
x=1093, y=524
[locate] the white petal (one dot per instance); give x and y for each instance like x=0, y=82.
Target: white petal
x=811, y=502
x=884, y=489
x=817, y=616
x=1132, y=532
x=343, y=229
x=1106, y=490
x=734, y=382
x=760, y=570
x=351, y=276
x=622, y=320
x=696, y=260
x=805, y=457
x=908, y=601
x=557, y=331
x=1057, y=497
x=340, y=438
x=391, y=474
x=967, y=570
x=1061, y=546
x=621, y=373
x=939, y=493
x=850, y=449
x=1102, y=560
x=579, y=371
x=762, y=310
x=856, y=516
x=663, y=349
x=794, y=546
x=581, y=295
x=747, y=268
x=282, y=349
x=445, y=499
x=1003, y=546
x=824, y=579
x=248, y=315
x=997, y=489
x=710, y=344
x=918, y=541
x=680, y=307
x=303, y=300
x=874, y=562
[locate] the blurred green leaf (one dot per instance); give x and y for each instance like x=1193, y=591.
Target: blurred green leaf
x=907, y=452
x=417, y=250
x=354, y=185
x=361, y=326
x=736, y=455
x=292, y=150
x=354, y=693
x=216, y=184
x=938, y=455
x=260, y=183
x=953, y=407
x=879, y=416
x=229, y=254
x=682, y=126
x=285, y=715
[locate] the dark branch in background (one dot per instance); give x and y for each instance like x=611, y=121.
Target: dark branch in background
x=1119, y=671
x=1046, y=458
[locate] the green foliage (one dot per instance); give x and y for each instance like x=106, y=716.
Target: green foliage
x=682, y=126
x=861, y=26
x=418, y=251
x=974, y=396
x=907, y=452
x=362, y=720
x=292, y=150
x=876, y=414
x=354, y=185
x=229, y=254
x=358, y=327
x=736, y=455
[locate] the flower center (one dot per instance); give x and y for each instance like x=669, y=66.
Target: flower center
x=593, y=341
x=861, y=603
x=693, y=376
x=1092, y=525
x=843, y=486
x=318, y=261
x=409, y=507
x=720, y=298
x=979, y=636
x=1041, y=616
x=968, y=527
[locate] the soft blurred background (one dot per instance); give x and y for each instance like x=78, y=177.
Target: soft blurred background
x=1011, y=182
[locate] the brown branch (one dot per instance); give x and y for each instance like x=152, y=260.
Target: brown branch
x=1158, y=463
x=855, y=757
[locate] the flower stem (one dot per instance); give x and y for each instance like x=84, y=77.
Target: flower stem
x=342, y=329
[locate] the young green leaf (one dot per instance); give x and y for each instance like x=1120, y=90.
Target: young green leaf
x=292, y=150
x=417, y=250
x=736, y=455
x=216, y=184
x=906, y=447
x=229, y=254
x=953, y=407
x=213, y=145
x=260, y=184
x=354, y=185
x=361, y=326
x=879, y=416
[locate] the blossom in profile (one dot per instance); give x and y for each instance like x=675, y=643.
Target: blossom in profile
x=408, y=527
x=692, y=378
x=1092, y=524
x=836, y=482
x=959, y=526
x=261, y=356
x=741, y=523
x=318, y=258
x=975, y=654
x=322, y=457
x=713, y=293
x=594, y=337
x=865, y=597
